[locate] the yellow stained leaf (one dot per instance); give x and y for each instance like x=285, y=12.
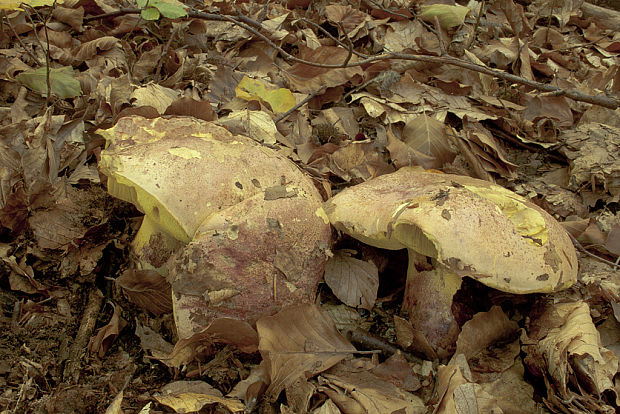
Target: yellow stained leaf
x=280, y=100
x=448, y=16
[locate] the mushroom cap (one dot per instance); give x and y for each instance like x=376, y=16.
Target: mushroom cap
x=232, y=223
x=249, y=260
x=179, y=170
x=473, y=227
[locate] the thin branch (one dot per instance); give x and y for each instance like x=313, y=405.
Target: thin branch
x=583, y=250
x=442, y=42
x=328, y=34
x=19, y=39
x=164, y=52
x=607, y=102
x=478, y=17
x=349, y=44
x=299, y=105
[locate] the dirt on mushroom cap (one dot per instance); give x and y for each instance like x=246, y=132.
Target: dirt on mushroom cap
x=473, y=227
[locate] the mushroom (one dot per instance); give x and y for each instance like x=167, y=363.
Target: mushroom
x=465, y=227
x=230, y=222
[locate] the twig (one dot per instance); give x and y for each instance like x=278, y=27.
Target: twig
x=87, y=325
x=299, y=105
x=583, y=250
x=349, y=44
x=19, y=39
x=442, y=42
x=365, y=340
x=164, y=52
x=473, y=36
x=328, y=34
x=607, y=102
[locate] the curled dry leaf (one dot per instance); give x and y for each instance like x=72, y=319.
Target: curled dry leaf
x=153, y=343
x=375, y=395
x=458, y=394
x=221, y=330
x=106, y=335
x=569, y=351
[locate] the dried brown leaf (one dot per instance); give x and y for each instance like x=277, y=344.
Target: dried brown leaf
x=298, y=341
x=148, y=289
x=355, y=282
x=106, y=335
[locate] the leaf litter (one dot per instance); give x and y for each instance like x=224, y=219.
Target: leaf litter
x=232, y=296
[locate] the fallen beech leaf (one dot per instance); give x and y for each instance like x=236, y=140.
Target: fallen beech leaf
x=280, y=100
x=192, y=396
x=308, y=79
x=374, y=394
x=484, y=330
x=147, y=289
x=223, y=330
x=428, y=136
x=353, y=281
x=299, y=341
x=255, y=124
x=571, y=349
x=62, y=81
x=153, y=343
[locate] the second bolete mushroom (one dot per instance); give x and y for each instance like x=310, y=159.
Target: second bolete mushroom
x=467, y=227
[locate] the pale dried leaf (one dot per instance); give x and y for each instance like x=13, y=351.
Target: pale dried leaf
x=299, y=340
x=353, y=281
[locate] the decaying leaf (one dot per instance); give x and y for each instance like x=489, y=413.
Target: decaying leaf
x=106, y=335
x=299, y=341
x=353, y=281
x=192, y=396
x=147, y=289
x=569, y=351
x=280, y=100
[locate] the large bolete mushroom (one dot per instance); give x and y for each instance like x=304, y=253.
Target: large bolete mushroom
x=230, y=222
x=467, y=227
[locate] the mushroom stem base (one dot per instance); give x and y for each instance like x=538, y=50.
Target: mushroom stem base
x=428, y=302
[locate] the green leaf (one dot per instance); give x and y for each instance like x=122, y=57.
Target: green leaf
x=169, y=8
x=150, y=13
x=142, y=3
x=62, y=81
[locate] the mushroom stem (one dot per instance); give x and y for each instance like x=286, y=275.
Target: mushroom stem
x=428, y=302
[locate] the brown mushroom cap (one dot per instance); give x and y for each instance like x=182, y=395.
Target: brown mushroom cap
x=470, y=226
x=248, y=261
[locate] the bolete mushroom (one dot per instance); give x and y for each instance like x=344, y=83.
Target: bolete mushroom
x=467, y=227
x=230, y=222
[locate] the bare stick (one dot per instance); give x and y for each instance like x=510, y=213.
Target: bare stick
x=87, y=325
x=299, y=105
x=605, y=101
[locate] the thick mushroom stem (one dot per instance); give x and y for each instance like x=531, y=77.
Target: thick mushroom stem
x=428, y=302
